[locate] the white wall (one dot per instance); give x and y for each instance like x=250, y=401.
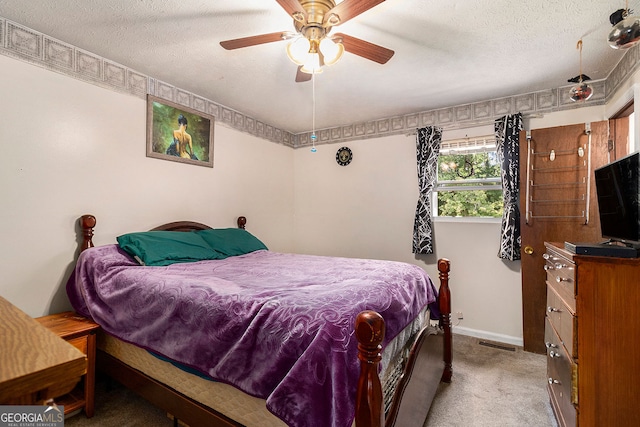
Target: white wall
x=369, y=207
x=71, y=148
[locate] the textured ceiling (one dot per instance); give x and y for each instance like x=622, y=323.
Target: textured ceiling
x=447, y=52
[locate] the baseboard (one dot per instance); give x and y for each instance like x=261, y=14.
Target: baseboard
x=490, y=336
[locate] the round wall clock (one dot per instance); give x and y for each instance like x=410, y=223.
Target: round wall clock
x=344, y=156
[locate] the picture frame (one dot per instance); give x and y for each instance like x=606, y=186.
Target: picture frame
x=178, y=133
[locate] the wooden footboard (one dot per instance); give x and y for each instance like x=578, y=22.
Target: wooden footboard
x=430, y=362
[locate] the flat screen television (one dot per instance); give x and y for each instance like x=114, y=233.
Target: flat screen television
x=618, y=191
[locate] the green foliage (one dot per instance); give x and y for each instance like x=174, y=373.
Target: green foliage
x=476, y=203
x=471, y=203
x=468, y=166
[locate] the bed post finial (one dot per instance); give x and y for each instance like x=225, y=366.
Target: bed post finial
x=370, y=333
x=444, y=266
x=87, y=222
x=242, y=222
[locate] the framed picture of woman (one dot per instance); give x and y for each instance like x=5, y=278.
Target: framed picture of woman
x=179, y=133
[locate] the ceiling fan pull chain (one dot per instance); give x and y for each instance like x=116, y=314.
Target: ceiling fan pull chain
x=313, y=113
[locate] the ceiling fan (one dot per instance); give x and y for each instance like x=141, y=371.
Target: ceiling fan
x=311, y=46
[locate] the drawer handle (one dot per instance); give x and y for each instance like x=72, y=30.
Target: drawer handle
x=554, y=354
x=552, y=381
x=548, y=267
x=546, y=256
x=550, y=345
x=553, y=310
x=562, y=279
x=560, y=266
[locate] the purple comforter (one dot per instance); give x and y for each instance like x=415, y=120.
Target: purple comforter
x=277, y=326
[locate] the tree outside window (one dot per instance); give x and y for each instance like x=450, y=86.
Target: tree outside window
x=468, y=184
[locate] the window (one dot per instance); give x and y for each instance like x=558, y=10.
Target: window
x=468, y=182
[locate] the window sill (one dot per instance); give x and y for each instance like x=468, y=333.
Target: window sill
x=467, y=219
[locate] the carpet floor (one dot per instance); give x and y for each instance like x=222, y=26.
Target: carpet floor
x=490, y=387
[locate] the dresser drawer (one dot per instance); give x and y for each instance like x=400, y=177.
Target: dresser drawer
x=562, y=378
x=561, y=276
x=563, y=322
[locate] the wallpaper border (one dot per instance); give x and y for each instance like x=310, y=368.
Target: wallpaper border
x=20, y=42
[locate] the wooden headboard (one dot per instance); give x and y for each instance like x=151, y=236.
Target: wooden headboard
x=190, y=225
x=181, y=226
x=88, y=222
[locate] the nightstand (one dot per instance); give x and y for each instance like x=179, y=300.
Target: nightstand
x=81, y=333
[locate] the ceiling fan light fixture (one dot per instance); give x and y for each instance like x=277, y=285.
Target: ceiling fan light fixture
x=312, y=64
x=625, y=33
x=298, y=50
x=331, y=51
x=313, y=20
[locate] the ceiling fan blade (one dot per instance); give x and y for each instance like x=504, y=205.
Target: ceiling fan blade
x=364, y=49
x=349, y=9
x=294, y=8
x=302, y=77
x=254, y=40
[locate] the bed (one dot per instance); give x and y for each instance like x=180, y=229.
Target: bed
x=283, y=339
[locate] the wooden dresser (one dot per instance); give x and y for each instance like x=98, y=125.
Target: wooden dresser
x=592, y=335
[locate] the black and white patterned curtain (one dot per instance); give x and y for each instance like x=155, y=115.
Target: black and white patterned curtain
x=507, y=130
x=428, y=146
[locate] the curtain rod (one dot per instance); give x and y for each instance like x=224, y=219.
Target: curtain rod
x=524, y=116
x=469, y=139
x=456, y=141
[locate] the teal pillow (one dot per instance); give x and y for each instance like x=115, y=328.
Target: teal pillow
x=231, y=241
x=166, y=247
